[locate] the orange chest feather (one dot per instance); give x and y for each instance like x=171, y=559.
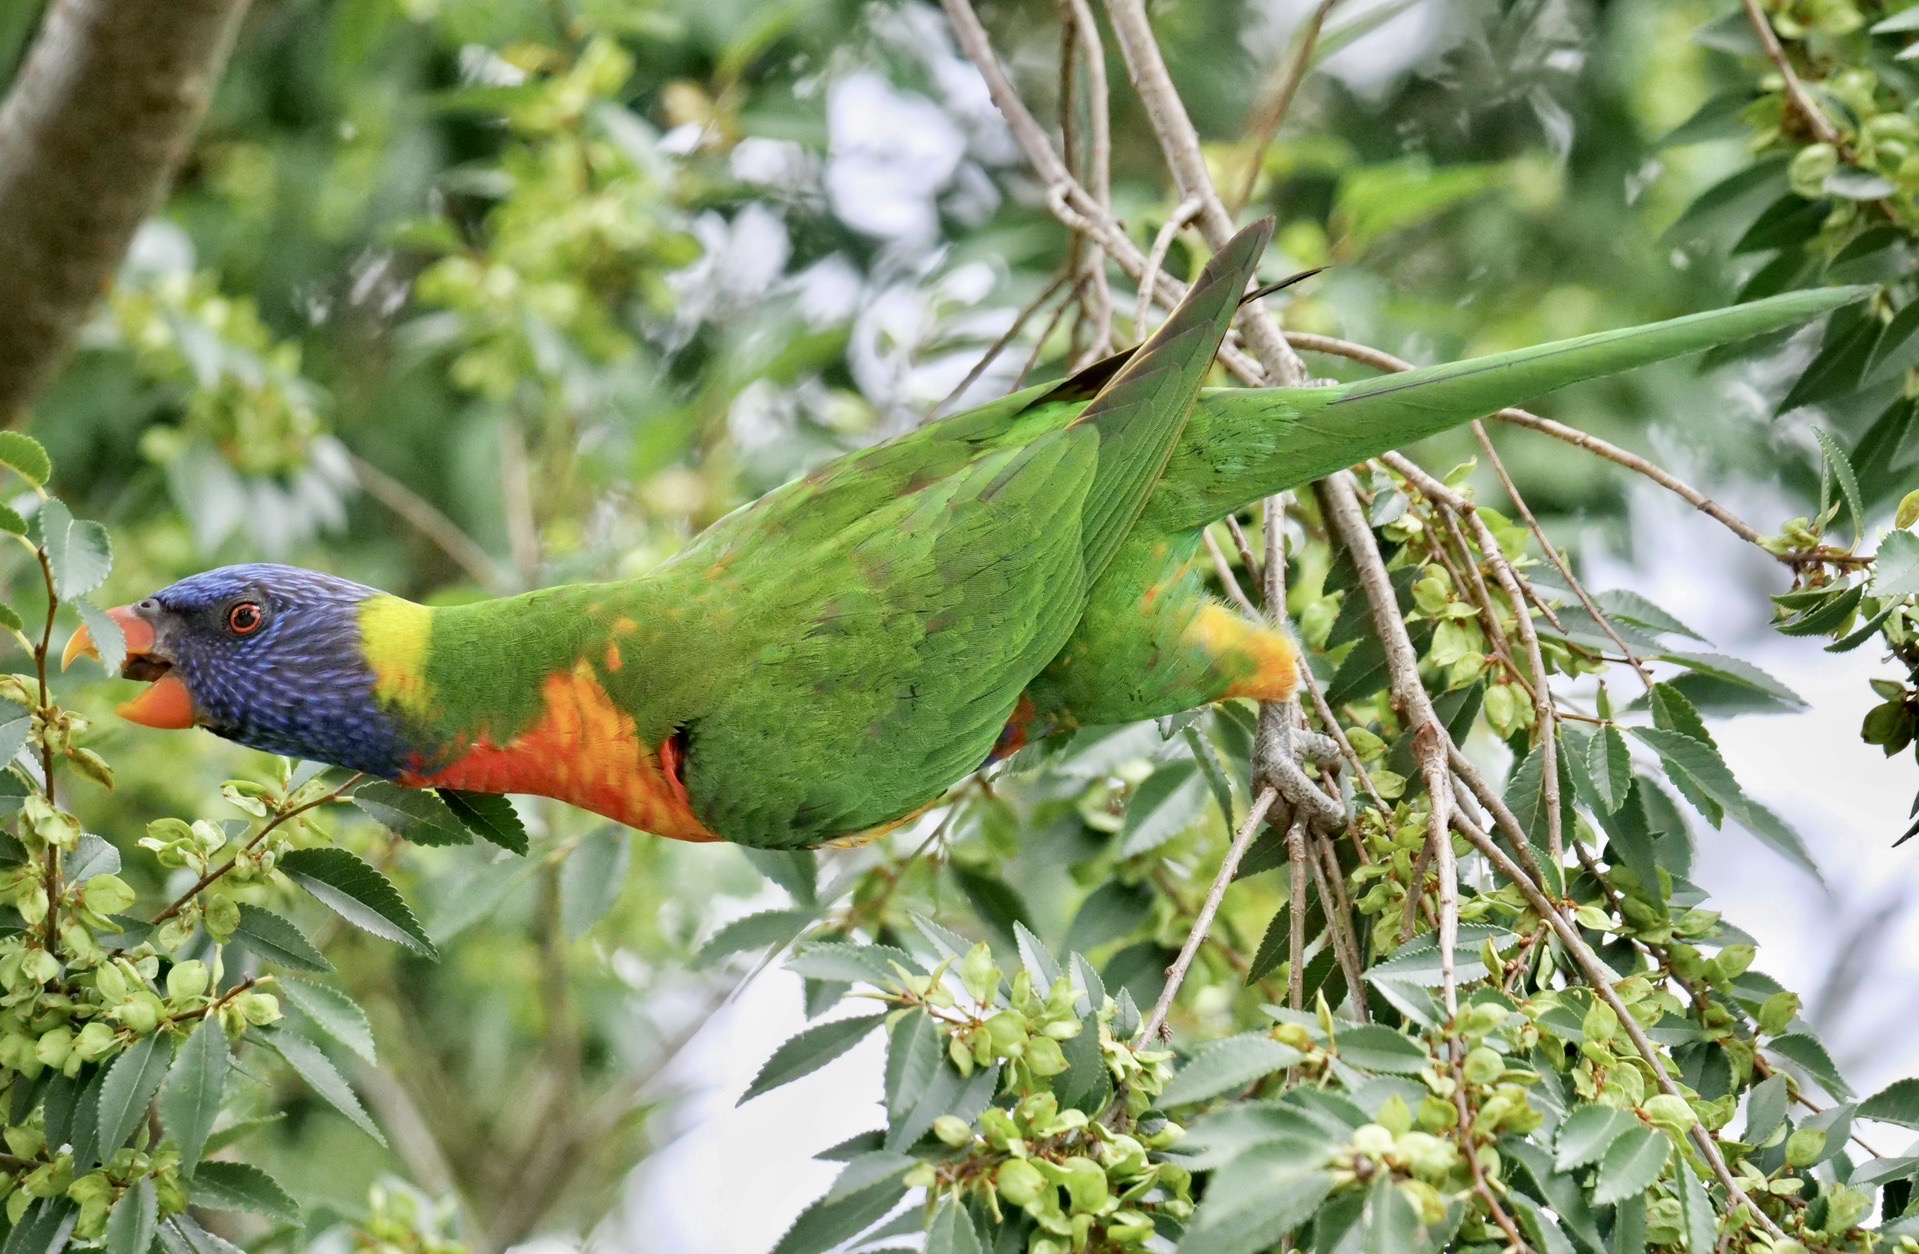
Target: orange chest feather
x=585, y=751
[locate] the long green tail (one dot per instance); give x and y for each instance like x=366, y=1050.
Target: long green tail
x=1246, y=443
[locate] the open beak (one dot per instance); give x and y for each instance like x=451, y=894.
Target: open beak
x=166, y=703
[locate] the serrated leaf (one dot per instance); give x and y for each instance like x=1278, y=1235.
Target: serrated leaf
x=1734, y=671
x=1897, y=1103
x=1609, y=764
x=416, y=814
x=915, y=1051
x=1848, y=482
x=952, y=1231
x=1697, y=1217
x=1809, y=1052
x=591, y=878
x=756, y=931
x=1766, y=1109
x=795, y=870
x=1699, y=772
x=129, y=1085
x=273, y=938
x=190, y=1099
x=1168, y=802
x=15, y=725
x=1255, y=1200
x=1110, y=911
x=181, y=1235
x=1226, y=1065
x=829, y=1223
x=1371, y=1047
x=492, y=818
x=837, y=960
x=323, y=1078
x=1630, y=1165
x=357, y=893
x=78, y=551
x=334, y=1013
x=1898, y=23
x=134, y=1220
x=1895, y=567
x=45, y=1229
x=1588, y=1133
x=27, y=456
x=243, y=1187
x=109, y=639
x=809, y=1050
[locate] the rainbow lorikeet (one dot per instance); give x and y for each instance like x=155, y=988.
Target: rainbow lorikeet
x=828, y=660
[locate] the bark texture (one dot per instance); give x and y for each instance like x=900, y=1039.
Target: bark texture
x=91, y=133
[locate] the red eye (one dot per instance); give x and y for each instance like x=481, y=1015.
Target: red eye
x=243, y=618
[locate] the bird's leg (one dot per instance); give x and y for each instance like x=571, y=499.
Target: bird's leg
x=1280, y=748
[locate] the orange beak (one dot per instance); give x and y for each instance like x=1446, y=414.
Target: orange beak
x=166, y=703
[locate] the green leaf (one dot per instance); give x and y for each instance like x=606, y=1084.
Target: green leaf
x=1166, y=804
x=129, y=1086
x=1766, y=1108
x=591, y=878
x=492, y=818
x=357, y=893
x=1371, y=1047
x=1697, y=1217
x=418, y=814
x=134, y=1220
x=1808, y=1051
x=951, y=1231
x=15, y=725
x=1630, y=1165
x=1897, y=1103
x=1609, y=763
x=1588, y=1133
x=795, y=870
x=79, y=552
x=837, y=960
x=1226, y=1065
x=997, y=903
x=1736, y=671
x=43, y=1230
x=833, y=1220
x=271, y=937
x=1848, y=482
x=243, y=1187
x=1895, y=567
x=1256, y=1199
x=1629, y=607
x=756, y=931
x=109, y=640
x=1699, y=772
x=809, y=1050
x=915, y=1052
x=322, y=1077
x=1111, y=911
x=190, y=1100
x=27, y=456
x=181, y=1235
x=1898, y=23
x=334, y=1013
x=11, y=522
x=1215, y=772
x=1390, y=1225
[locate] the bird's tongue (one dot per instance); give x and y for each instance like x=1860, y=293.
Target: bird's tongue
x=165, y=704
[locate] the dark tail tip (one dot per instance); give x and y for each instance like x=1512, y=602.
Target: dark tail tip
x=1269, y=288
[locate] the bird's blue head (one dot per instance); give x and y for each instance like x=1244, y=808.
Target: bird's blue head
x=268, y=656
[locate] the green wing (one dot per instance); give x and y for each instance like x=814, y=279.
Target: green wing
x=885, y=614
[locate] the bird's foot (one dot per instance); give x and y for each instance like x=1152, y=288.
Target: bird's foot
x=1282, y=746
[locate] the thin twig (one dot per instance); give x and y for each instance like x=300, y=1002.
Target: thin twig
x=1802, y=100
x=205, y=881
x=1203, y=924
x=1162, y=244
x=424, y=517
x=1000, y=345
x=1600, y=978
x=1226, y=579
x=1266, y=123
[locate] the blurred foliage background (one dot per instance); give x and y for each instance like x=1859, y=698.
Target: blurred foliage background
x=467, y=296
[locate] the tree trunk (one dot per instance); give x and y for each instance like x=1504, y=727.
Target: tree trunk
x=96, y=122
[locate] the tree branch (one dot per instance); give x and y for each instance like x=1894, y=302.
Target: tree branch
x=91, y=132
